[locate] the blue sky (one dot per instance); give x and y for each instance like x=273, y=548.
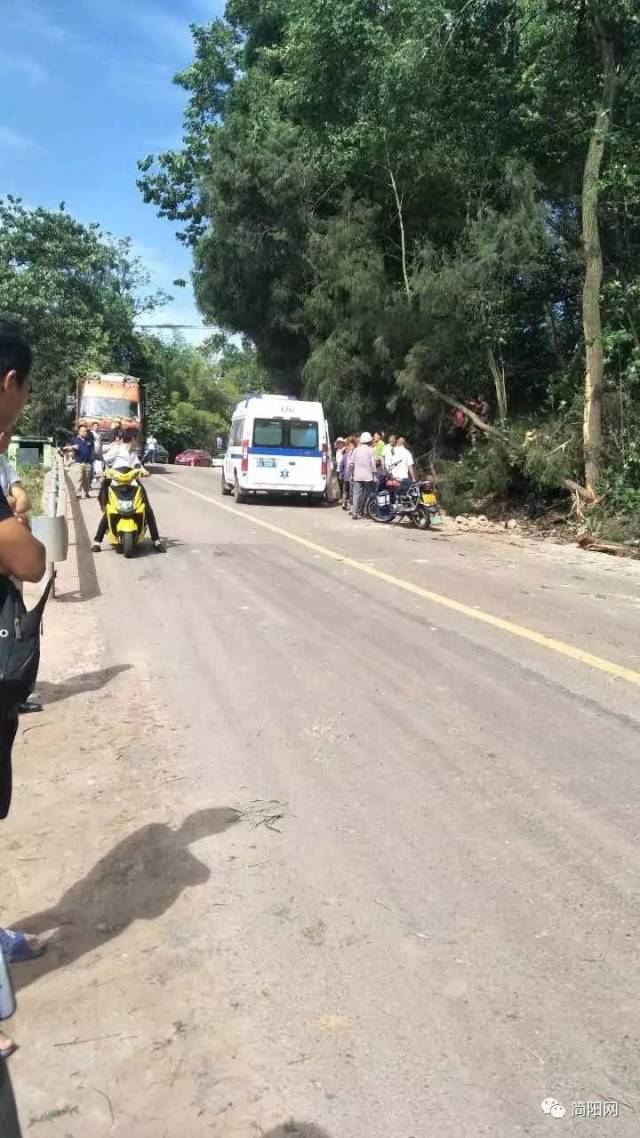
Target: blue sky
x=86, y=92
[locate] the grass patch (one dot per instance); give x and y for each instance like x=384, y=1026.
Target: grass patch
x=32, y=478
x=51, y=1115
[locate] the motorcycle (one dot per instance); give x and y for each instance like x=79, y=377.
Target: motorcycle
x=392, y=501
x=126, y=510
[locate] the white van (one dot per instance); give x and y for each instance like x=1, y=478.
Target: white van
x=277, y=445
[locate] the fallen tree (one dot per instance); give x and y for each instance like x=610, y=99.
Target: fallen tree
x=570, y=484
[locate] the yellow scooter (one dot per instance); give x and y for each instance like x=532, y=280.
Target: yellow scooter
x=126, y=510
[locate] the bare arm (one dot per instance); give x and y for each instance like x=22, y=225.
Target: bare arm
x=18, y=499
x=21, y=554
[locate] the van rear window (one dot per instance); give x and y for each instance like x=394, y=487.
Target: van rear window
x=303, y=435
x=268, y=433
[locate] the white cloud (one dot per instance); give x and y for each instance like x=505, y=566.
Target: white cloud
x=12, y=140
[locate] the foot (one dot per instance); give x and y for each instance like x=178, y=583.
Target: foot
x=95, y=548
x=159, y=547
x=7, y=1046
x=31, y=703
x=18, y=947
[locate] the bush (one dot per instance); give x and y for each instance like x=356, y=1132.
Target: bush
x=483, y=472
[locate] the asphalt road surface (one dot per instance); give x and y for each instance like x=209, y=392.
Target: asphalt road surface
x=429, y=921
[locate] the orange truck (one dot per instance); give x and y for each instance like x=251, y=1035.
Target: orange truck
x=110, y=399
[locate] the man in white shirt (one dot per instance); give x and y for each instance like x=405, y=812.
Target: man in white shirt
x=150, y=452
x=406, y=466
x=398, y=460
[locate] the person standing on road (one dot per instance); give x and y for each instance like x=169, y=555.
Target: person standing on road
x=388, y=454
x=97, y=450
x=83, y=451
x=404, y=465
x=363, y=471
x=337, y=461
x=378, y=446
x=150, y=449
x=345, y=471
x=398, y=460
x=21, y=557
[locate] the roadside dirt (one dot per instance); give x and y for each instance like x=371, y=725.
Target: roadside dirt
x=102, y=846
x=343, y=951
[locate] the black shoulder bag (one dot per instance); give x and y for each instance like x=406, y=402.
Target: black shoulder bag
x=19, y=645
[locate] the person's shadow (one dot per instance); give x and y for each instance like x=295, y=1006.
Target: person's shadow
x=138, y=880
x=50, y=692
x=296, y=1130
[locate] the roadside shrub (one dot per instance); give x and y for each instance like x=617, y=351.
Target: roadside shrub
x=482, y=472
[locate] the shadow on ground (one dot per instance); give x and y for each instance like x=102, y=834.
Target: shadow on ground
x=87, y=576
x=146, y=548
x=299, y=501
x=296, y=1130
x=76, y=685
x=138, y=880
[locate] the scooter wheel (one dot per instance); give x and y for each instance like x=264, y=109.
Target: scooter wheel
x=128, y=544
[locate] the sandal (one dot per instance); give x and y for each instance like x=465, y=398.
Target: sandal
x=18, y=947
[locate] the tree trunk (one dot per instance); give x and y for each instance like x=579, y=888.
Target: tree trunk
x=403, y=240
x=499, y=382
x=591, y=322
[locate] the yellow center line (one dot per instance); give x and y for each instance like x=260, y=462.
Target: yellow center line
x=548, y=642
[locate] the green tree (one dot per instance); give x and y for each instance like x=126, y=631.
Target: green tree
x=77, y=291
x=404, y=204
x=192, y=391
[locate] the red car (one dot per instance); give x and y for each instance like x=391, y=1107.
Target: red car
x=193, y=458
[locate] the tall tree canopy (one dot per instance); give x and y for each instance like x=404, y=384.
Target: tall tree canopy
x=397, y=201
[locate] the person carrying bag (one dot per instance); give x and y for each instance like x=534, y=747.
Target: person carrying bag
x=23, y=558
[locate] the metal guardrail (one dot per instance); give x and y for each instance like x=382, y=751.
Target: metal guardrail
x=51, y=528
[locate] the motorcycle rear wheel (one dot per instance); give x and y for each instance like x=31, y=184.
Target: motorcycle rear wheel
x=422, y=519
x=128, y=544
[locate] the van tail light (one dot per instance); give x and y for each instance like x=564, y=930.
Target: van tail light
x=324, y=461
x=245, y=456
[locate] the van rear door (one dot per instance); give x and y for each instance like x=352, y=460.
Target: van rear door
x=306, y=456
x=267, y=454
x=285, y=455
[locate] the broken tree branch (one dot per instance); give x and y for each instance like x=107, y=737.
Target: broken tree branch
x=471, y=415
x=567, y=483
x=576, y=488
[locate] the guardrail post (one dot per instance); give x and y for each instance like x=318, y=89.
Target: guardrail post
x=51, y=528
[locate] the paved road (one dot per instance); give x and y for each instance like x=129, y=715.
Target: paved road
x=442, y=929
